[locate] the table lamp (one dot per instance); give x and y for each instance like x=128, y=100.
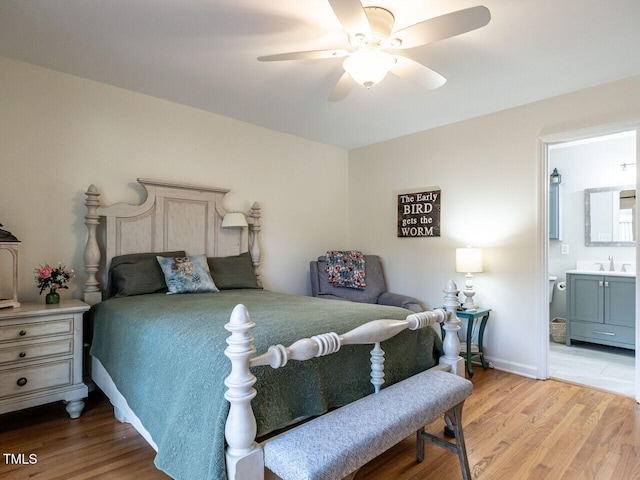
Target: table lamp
x=468, y=261
x=234, y=219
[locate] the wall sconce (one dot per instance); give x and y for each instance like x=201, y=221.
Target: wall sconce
x=234, y=220
x=468, y=261
x=555, y=176
x=11, y=243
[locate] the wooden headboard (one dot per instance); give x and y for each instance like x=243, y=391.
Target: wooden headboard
x=173, y=217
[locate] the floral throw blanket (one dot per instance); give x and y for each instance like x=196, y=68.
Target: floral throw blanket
x=346, y=269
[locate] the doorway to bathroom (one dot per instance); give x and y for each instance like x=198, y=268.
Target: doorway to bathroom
x=591, y=245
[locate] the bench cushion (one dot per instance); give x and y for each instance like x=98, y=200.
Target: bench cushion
x=334, y=445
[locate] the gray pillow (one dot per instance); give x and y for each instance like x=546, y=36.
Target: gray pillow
x=233, y=272
x=137, y=274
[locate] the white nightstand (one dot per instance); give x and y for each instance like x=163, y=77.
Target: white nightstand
x=41, y=356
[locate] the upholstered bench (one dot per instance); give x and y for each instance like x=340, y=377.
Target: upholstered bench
x=337, y=444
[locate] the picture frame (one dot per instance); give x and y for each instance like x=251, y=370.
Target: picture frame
x=419, y=214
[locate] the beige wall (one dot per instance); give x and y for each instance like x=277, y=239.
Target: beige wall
x=488, y=169
x=59, y=134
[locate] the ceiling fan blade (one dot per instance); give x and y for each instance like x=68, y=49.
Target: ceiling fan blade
x=308, y=55
x=342, y=88
x=417, y=73
x=444, y=26
x=351, y=15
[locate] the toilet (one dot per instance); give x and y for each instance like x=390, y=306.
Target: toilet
x=552, y=284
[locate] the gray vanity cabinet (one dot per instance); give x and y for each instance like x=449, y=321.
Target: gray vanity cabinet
x=601, y=309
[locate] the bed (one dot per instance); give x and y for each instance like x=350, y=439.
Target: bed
x=161, y=358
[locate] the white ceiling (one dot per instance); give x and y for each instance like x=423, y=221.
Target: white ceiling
x=203, y=53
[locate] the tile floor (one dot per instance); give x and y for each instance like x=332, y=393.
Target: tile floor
x=599, y=366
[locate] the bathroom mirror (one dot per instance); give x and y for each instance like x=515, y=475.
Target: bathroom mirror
x=610, y=216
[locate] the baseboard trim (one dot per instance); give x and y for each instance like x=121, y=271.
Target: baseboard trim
x=513, y=367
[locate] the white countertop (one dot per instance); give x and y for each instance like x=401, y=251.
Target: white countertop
x=600, y=273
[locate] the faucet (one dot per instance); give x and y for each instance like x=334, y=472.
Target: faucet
x=611, y=267
x=624, y=267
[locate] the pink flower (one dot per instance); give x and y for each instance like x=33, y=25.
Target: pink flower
x=45, y=272
x=53, y=278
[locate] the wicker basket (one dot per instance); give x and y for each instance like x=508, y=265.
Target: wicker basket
x=559, y=329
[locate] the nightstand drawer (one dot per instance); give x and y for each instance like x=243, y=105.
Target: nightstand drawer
x=26, y=330
x=19, y=381
x=36, y=350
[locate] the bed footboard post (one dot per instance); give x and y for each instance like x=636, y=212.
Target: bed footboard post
x=92, y=294
x=451, y=344
x=245, y=459
x=377, y=367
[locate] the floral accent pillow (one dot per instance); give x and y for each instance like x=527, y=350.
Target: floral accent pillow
x=187, y=274
x=346, y=269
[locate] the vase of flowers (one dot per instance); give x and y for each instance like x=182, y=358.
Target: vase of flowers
x=53, y=279
x=52, y=297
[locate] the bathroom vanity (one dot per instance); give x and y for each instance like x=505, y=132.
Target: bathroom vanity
x=601, y=307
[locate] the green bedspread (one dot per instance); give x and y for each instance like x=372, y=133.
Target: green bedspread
x=165, y=353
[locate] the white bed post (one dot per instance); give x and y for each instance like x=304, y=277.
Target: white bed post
x=451, y=344
x=92, y=294
x=377, y=367
x=254, y=232
x=245, y=459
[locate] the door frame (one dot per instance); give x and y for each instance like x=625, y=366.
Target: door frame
x=542, y=332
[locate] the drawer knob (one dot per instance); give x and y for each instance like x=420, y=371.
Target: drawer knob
x=22, y=354
x=21, y=382
x=23, y=333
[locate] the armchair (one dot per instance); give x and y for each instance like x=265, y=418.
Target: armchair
x=374, y=292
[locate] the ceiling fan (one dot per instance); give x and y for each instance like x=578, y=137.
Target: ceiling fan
x=373, y=44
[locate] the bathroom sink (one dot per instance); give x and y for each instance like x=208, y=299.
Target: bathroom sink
x=590, y=267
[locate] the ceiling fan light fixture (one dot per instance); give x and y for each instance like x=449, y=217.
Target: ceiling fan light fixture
x=371, y=31
x=381, y=21
x=369, y=67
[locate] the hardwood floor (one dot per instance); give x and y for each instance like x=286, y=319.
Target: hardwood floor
x=95, y=446
x=516, y=428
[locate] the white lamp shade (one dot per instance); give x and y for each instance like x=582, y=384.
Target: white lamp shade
x=468, y=260
x=234, y=219
x=368, y=67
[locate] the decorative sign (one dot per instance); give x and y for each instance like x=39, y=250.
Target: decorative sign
x=419, y=214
